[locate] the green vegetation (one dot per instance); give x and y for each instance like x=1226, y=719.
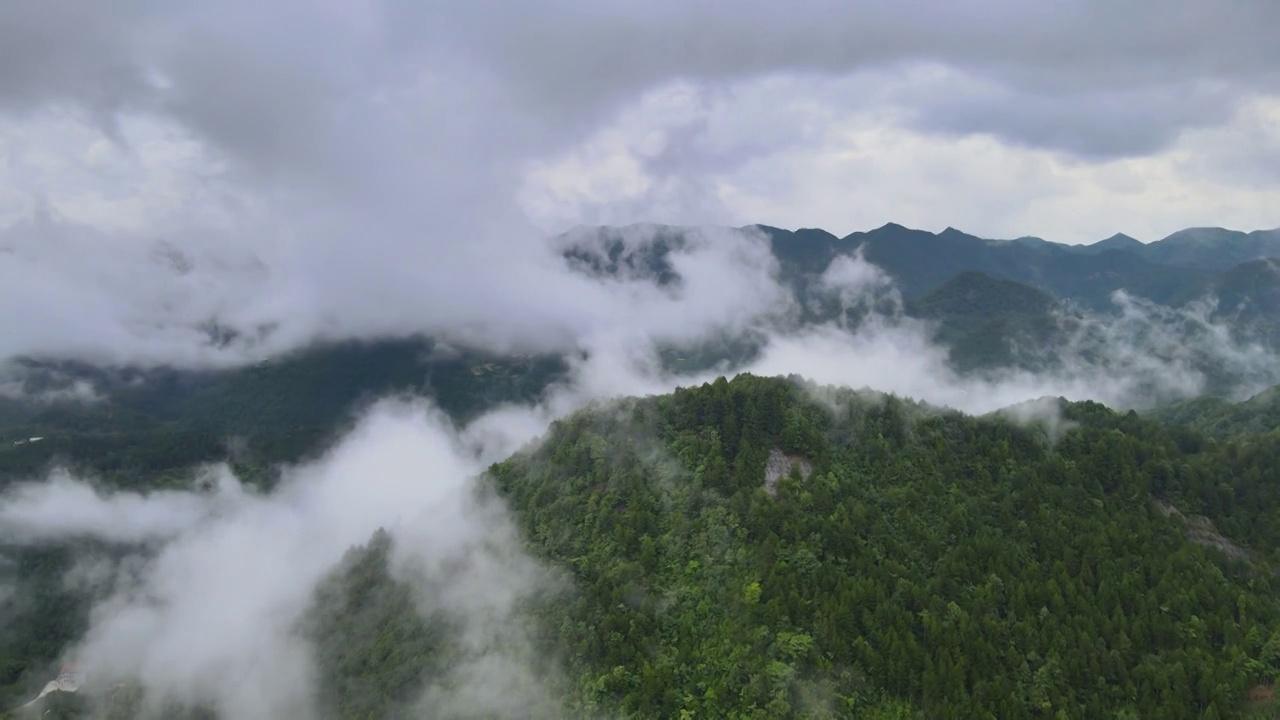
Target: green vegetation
x=310, y=389
x=986, y=321
x=913, y=563
x=40, y=616
x=366, y=620
x=960, y=567
x=1214, y=416
x=929, y=565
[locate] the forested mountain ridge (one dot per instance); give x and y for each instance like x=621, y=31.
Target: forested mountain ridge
x=933, y=559
x=915, y=562
x=927, y=564
x=1216, y=417
x=931, y=565
x=1185, y=273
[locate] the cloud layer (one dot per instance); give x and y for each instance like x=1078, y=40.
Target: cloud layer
x=356, y=169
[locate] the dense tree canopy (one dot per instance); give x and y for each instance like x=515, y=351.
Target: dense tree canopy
x=766, y=548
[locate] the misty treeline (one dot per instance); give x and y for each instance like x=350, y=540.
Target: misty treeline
x=931, y=565
x=916, y=562
x=958, y=567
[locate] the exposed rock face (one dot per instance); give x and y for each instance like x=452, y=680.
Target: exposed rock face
x=779, y=465
x=1200, y=530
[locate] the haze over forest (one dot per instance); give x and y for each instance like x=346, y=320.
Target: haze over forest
x=639, y=360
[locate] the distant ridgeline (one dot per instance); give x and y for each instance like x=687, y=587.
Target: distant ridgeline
x=1005, y=303
x=1024, y=304
x=1170, y=271
x=992, y=303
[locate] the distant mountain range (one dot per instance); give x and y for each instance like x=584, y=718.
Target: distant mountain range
x=993, y=303
x=1171, y=271
x=990, y=295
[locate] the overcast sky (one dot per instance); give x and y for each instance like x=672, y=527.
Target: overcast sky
x=342, y=161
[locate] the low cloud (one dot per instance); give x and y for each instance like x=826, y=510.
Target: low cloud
x=192, y=187
x=64, y=506
x=113, y=301
x=44, y=386
x=1138, y=356
x=211, y=617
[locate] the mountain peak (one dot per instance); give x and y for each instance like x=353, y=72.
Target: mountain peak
x=951, y=232
x=1203, y=234
x=1119, y=241
x=977, y=293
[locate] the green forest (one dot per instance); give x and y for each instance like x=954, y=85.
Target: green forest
x=931, y=564
x=768, y=548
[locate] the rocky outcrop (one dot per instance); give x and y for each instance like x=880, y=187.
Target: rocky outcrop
x=780, y=465
x=1200, y=530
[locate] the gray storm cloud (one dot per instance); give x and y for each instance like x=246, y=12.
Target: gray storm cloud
x=361, y=163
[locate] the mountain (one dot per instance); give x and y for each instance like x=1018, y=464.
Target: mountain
x=764, y=547
x=1216, y=417
x=1083, y=283
x=301, y=389
x=921, y=261
x=160, y=422
x=1248, y=296
x=807, y=251
x=639, y=250
x=1170, y=271
x=994, y=304
x=985, y=321
x=977, y=295
x=802, y=549
x=1213, y=248
x=1119, y=241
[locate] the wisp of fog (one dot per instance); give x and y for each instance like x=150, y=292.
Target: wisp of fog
x=212, y=617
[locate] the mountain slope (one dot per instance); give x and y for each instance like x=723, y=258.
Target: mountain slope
x=985, y=319
x=973, y=294
x=1119, y=241
x=312, y=386
x=987, y=322
x=920, y=262
x=1259, y=414
x=959, y=566
x=1213, y=248
x=765, y=548
x=1248, y=298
